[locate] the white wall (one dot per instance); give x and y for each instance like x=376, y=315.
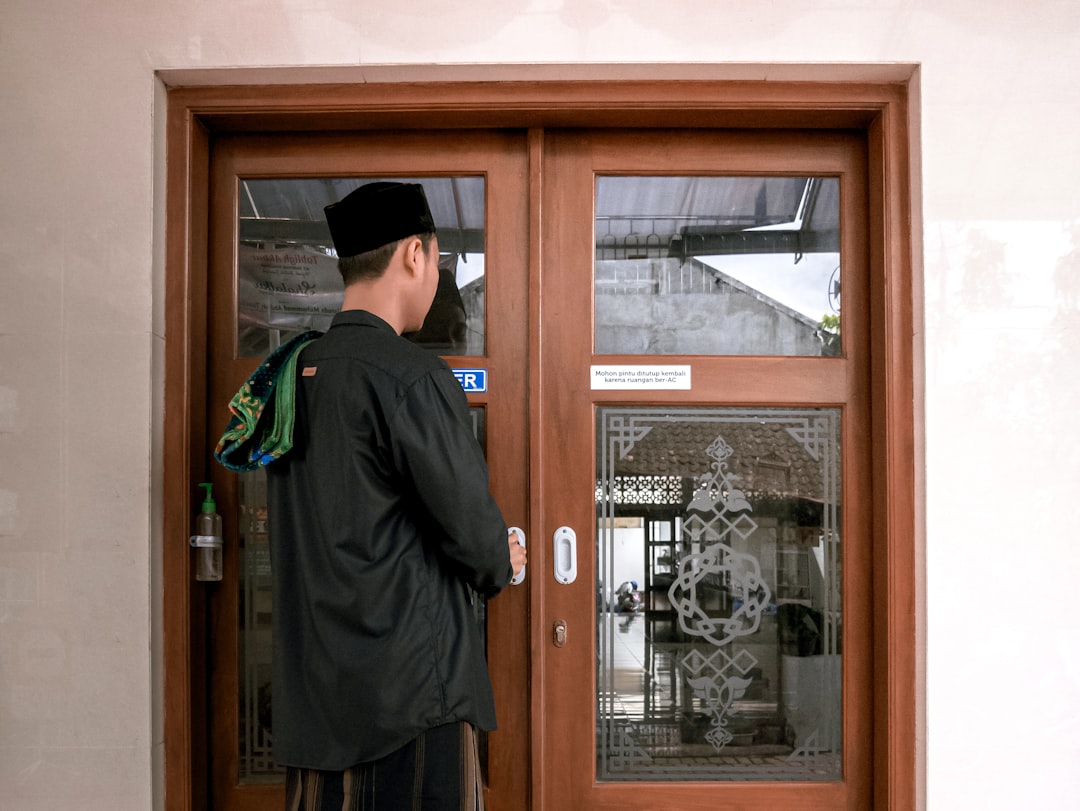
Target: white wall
x=81, y=342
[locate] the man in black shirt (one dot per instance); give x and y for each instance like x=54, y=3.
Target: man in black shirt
x=383, y=532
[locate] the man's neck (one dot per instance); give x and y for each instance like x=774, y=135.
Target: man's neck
x=376, y=299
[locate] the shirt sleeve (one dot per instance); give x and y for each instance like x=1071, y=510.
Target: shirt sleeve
x=436, y=449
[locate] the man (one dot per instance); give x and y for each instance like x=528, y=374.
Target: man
x=382, y=527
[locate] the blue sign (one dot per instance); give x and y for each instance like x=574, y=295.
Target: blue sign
x=472, y=381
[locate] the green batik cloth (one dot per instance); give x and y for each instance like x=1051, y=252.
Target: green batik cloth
x=260, y=429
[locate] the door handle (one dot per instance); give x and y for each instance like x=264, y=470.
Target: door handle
x=565, y=542
x=520, y=576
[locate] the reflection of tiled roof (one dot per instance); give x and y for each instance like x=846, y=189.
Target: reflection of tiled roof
x=765, y=459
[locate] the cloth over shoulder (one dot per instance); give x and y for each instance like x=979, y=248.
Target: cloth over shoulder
x=261, y=426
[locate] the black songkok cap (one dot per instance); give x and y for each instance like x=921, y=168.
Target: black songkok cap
x=377, y=214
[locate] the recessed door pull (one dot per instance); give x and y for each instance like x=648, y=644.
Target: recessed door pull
x=565, y=542
x=558, y=633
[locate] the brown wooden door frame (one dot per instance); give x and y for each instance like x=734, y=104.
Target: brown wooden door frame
x=880, y=109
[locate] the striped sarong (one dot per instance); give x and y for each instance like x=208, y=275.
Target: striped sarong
x=438, y=771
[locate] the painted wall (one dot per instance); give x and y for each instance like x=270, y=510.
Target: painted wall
x=81, y=342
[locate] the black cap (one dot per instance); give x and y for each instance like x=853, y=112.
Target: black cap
x=376, y=214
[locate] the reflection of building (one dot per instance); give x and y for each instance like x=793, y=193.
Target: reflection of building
x=716, y=265
x=665, y=306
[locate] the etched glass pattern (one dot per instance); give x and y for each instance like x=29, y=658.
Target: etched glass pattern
x=256, y=604
x=717, y=266
x=287, y=277
x=718, y=602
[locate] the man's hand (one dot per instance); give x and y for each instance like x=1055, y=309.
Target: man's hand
x=517, y=553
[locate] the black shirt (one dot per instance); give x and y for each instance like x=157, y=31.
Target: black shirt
x=381, y=527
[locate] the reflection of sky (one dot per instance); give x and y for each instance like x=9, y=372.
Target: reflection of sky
x=804, y=287
x=469, y=267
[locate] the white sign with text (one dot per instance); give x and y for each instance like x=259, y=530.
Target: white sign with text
x=640, y=377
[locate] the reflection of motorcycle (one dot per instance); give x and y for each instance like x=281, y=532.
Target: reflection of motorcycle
x=627, y=597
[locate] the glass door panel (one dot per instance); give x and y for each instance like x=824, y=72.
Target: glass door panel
x=287, y=278
x=726, y=664
x=255, y=740
x=717, y=265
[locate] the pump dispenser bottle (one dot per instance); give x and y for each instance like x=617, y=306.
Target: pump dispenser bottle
x=207, y=539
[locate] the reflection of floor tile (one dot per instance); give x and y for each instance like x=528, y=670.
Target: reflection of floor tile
x=630, y=678
x=645, y=719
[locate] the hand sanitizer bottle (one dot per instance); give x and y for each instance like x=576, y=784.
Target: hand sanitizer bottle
x=207, y=539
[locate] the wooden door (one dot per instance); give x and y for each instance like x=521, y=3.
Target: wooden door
x=271, y=276
x=703, y=430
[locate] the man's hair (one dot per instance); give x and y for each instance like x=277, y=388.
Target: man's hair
x=372, y=264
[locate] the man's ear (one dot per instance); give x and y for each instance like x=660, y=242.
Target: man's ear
x=412, y=253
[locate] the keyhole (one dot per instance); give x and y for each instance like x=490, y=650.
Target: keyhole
x=559, y=633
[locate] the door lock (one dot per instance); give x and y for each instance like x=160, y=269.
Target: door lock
x=558, y=633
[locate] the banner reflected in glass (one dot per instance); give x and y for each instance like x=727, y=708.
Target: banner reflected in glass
x=287, y=277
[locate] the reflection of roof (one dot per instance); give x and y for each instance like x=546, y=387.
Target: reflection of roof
x=766, y=458
x=662, y=216
x=290, y=210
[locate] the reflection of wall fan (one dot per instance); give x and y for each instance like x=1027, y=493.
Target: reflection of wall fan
x=834, y=290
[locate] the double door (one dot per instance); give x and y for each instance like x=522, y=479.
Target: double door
x=648, y=328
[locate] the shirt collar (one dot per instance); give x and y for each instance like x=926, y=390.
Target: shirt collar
x=359, y=318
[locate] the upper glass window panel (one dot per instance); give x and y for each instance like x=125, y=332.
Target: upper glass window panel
x=717, y=265
x=287, y=268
